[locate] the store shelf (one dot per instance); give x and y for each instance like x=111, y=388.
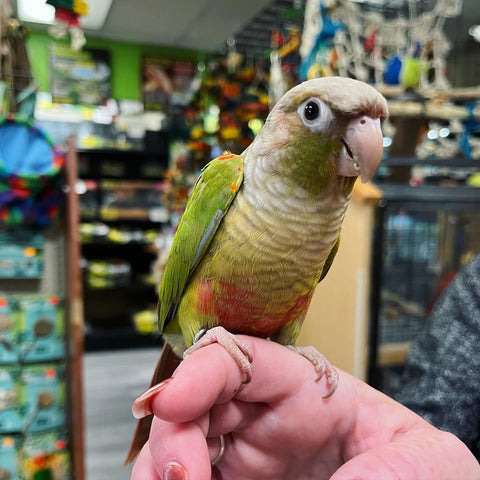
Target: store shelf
x=136, y=288
x=43, y=340
x=413, y=109
x=116, y=246
x=460, y=162
x=128, y=154
x=119, y=164
x=462, y=93
x=123, y=192
x=142, y=223
x=131, y=219
x=118, y=339
x=431, y=195
x=136, y=215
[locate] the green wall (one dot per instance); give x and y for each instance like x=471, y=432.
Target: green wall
x=125, y=57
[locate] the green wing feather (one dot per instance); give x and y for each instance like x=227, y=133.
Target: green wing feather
x=329, y=260
x=213, y=193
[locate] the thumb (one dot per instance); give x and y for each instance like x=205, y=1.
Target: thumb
x=441, y=456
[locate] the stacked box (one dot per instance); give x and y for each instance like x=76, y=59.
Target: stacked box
x=44, y=457
x=42, y=399
x=8, y=458
x=31, y=329
x=9, y=352
x=11, y=420
x=32, y=366
x=21, y=254
x=109, y=273
x=41, y=328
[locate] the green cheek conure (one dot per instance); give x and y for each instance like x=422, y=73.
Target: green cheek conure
x=261, y=229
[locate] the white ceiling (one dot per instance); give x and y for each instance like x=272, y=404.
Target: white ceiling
x=206, y=24
x=195, y=24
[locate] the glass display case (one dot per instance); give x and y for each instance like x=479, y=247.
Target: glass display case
x=423, y=236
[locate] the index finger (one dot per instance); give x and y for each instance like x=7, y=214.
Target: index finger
x=211, y=376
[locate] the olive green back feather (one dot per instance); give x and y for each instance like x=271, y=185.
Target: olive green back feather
x=213, y=193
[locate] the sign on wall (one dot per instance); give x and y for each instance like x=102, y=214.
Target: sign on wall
x=79, y=76
x=166, y=83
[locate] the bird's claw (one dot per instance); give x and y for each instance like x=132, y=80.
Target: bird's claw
x=322, y=366
x=237, y=349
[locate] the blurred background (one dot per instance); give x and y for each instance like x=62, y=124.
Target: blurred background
x=108, y=111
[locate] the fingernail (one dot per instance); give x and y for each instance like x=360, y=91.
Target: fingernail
x=174, y=471
x=142, y=406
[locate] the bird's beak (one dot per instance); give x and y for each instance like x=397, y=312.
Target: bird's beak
x=362, y=149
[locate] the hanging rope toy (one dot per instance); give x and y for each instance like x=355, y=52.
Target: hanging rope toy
x=67, y=18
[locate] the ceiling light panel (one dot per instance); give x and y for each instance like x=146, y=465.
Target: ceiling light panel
x=38, y=11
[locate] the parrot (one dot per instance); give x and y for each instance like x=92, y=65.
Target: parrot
x=260, y=230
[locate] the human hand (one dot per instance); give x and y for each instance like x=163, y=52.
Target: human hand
x=278, y=426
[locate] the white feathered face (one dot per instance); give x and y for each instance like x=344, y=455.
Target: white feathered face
x=347, y=113
x=323, y=129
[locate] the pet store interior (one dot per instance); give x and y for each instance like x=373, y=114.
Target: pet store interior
x=109, y=111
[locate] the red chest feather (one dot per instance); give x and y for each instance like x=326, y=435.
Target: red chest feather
x=246, y=311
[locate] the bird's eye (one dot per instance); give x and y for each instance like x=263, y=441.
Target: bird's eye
x=315, y=114
x=312, y=111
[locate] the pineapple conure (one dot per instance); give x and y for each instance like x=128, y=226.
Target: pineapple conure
x=261, y=229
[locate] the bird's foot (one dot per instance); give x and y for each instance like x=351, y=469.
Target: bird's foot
x=322, y=366
x=237, y=349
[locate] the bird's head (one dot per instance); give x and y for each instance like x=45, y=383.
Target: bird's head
x=326, y=127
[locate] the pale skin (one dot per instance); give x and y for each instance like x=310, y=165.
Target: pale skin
x=279, y=426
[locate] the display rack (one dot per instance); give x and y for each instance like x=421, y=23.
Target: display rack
x=42, y=426
x=123, y=218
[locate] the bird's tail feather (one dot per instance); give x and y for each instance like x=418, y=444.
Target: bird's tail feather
x=166, y=365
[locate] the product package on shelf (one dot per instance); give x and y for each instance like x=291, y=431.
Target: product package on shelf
x=10, y=414
x=32, y=421
x=44, y=456
x=32, y=329
x=42, y=397
x=41, y=328
x=9, y=351
x=108, y=273
x=37, y=456
x=21, y=254
x=133, y=200
x=89, y=199
x=8, y=458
